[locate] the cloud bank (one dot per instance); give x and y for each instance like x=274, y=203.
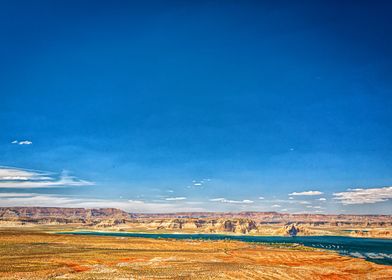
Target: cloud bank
x=364, y=196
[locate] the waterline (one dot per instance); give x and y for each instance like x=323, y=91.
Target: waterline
x=372, y=249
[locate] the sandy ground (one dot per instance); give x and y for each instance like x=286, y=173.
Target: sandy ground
x=33, y=254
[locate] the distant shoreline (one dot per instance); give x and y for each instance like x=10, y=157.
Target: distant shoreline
x=372, y=249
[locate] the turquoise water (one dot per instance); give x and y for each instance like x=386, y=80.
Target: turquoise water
x=371, y=249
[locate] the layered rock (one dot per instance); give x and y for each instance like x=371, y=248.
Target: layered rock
x=259, y=223
x=60, y=215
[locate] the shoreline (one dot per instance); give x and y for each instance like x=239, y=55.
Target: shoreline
x=228, y=234
x=216, y=234
x=366, y=248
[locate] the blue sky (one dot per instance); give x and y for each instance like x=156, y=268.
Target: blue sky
x=197, y=105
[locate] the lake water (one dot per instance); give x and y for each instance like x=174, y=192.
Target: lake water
x=371, y=249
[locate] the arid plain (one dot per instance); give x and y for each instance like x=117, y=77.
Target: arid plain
x=32, y=248
x=35, y=253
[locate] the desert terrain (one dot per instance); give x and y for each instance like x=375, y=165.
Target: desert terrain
x=31, y=248
x=249, y=223
x=35, y=253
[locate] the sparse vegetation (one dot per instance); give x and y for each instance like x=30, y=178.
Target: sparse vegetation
x=35, y=254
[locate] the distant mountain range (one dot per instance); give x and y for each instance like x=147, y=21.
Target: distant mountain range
x=82, y=215
x=57, y=214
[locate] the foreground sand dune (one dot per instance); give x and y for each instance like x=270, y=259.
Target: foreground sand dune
x=34, y=254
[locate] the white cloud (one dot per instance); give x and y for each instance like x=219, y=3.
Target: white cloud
x=220, y=199
x=303, y=202
x=224, y=200
x=309, y=193
x=17, y=178
x=322, y=199
x=24, y=142
x=135, y=201
x=261, y=197
x=314, y=207
x=276, y=206
x=175, y=198
x=11, y=173
x=198, y=184
x=364, y=196
x=16, y=194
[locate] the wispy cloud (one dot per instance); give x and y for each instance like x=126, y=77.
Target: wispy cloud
x=303, y=202
x=11, y=173
x=364, y=196
x=224, y=200
x=220, y=199
x=23, y=142
x=175, y=198
x=13, y=195
x=200, y=183
x=322, y=199
x=308, y=193
x=18, y=178
x=276, y=206
x=314, y=207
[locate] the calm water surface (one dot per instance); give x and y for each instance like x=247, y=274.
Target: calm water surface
x=371, y=249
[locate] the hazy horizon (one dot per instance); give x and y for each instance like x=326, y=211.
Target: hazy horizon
x=197, y=106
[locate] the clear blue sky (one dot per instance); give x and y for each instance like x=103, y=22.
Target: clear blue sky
x=141, y=103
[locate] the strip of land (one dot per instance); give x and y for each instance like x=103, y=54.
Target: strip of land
x=33, y=253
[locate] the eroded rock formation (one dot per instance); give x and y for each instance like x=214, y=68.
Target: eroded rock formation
x=258, y=223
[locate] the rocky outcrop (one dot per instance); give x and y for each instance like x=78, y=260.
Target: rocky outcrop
x=293, y=230
x=372, y=233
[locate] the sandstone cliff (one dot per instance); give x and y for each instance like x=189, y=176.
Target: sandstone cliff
x=258, y=223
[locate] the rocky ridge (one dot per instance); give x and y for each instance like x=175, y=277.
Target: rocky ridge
x=258, y=223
